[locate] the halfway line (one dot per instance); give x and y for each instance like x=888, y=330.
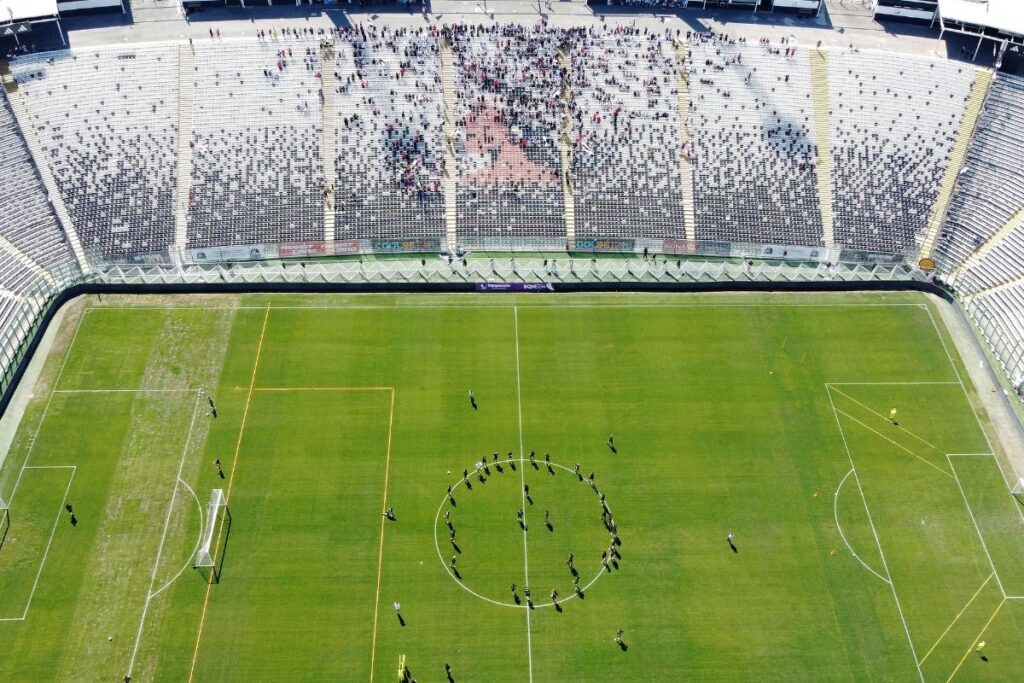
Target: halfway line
x=522, y=477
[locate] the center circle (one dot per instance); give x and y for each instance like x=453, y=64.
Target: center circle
x=486, y=547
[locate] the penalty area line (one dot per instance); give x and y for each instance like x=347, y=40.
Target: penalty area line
x=874, y=532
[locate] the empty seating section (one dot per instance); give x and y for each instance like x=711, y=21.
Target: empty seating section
x=752, y=120
x=106, y=120
x=26, y=219
x=1002, y=262
x=507, y=111
x=257, y=174
x=1004, y=308
x=625, y=135
x=389, y=122
x=755, y=168
x=894, y=123
x=990, y=189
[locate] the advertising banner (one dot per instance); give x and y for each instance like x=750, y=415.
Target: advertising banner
x=514, y=287
x=606, y=245
x=243, y=252
x=400, y=246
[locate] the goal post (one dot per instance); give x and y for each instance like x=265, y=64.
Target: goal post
x=204, y=555
x=1018, y=488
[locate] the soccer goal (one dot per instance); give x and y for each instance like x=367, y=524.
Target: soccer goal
x=205, y=555
x=1018, y=488
x=5, y=521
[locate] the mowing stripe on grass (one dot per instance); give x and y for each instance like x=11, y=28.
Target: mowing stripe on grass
x=163, y=536
x=231, y=481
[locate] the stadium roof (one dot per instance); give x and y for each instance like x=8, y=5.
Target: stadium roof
x=19, y=10
x=1003, y=15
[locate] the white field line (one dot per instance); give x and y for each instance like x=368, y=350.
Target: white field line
x=163, y=537
x=977, y=418
x=437, y=546
x=522, y=477
x=463, y=304
x=969, y=455
x=835, y=513
x=880, y=384
x=974, y=521
x=120, y=391
x=195, y=549
x=53, y=532
x=28, y=456
x=46, y=409
x=874, y=532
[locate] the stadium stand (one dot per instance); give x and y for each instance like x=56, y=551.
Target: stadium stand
x=994, y=157
x=106, y=119
x=257, y=176
x=754, y=175
x=26, y=218
x=508, y=87
x=1001, y=263
x=625, y=135
x=389, y=122
x=892, y=136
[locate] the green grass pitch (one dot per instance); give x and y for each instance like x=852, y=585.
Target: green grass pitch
x=864, y=550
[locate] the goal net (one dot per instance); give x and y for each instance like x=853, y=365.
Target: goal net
x=203, y=556
x=1018, y=488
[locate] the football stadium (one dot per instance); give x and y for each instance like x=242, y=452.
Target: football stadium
x=509, y=341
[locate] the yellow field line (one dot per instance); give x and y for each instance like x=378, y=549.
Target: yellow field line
x=324, y=389
x=380, y=550
x=900, y=427
x=957, y=618
x=904, y=448
x=231, y=481
x=971, y=646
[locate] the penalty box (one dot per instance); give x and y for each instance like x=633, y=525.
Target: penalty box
x=36, y=507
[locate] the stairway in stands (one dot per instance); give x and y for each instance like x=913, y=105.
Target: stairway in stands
x=183, y=173
x=823, y=141
x=565, y=149
x=45, y=174
x=329, y=141
x=451, y=168
x=685, y=134
x=979, y=91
